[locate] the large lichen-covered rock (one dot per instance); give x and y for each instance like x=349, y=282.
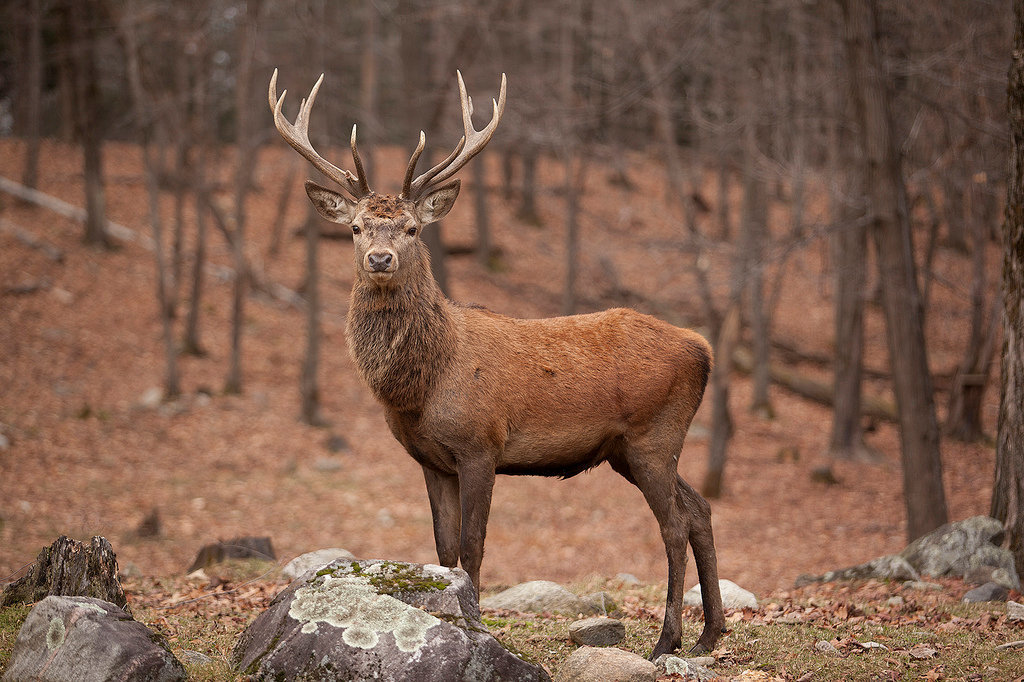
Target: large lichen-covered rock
x=81, y=638
x=69, y=568
x=956, y=549
x=380, y=620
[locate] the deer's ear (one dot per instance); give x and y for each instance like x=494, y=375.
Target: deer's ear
x=434, y=206
x=330, y=204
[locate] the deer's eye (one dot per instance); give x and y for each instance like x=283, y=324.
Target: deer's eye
x=411, y=232
x=356, y=229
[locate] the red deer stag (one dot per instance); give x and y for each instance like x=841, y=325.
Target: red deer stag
x=470, y=393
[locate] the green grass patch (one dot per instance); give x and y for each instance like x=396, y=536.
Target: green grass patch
x=11, y=620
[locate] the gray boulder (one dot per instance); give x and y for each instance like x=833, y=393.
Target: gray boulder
x=591, y=664
x=956, y=549
x=597, y=631
x=378, y=620
x=733, y=596
x=314, y=560
x=82, y=638
x=544, y=596
x=987, y=592
x=891, y=567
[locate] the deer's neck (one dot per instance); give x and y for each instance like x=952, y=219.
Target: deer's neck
x=402, y=339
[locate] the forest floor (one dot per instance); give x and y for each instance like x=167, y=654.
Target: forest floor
x=88, y=454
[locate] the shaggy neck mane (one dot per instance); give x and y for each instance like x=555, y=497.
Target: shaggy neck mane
x=401, y=338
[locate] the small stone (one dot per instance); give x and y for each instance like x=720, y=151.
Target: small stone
x=688, y=668
x=922, y=652
x=336, y=443
x=1014, y=611
x=540, y=596
x=193, y=658
x=827, y=647
x=591, y=664
x=896, y=601
x=597, y=631
x=628, y=579
x=922, y=585
x=151, y=398
x=733, y=596
x=602, y=601
x=987, y=592
x=326, y=465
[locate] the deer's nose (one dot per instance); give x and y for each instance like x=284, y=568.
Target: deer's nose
x=379, y=261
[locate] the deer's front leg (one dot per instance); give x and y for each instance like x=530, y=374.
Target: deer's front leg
x=476, y=481
x=446, y=510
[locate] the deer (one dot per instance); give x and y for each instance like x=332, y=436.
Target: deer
x=470, y=393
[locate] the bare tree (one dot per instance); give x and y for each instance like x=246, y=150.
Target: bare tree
x=890, y=229
x=1008, y=491
x=149, y=124
x=80, y=21
x=246, y=147
x=32, y=83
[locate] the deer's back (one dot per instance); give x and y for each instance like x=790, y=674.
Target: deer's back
x=558, y=389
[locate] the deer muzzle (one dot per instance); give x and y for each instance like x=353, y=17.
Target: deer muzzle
x=380, y=264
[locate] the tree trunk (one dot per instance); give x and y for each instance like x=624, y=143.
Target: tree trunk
x=527, y=211
x=72, y=569
x=721, y=420
x=368, y=87
x=753, y=234
x=309, y=387
x=1008, y=491
x=966, y=397
x=33, y=86
x=172, y=380
x=243, y=179
x=573, y=189
x=82, y=17
x=890, y=229
x=849, y=265
x=849, y=257
x=483, y=216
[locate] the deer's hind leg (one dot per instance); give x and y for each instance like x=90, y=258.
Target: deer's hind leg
x=702, y=541
x=649, y=462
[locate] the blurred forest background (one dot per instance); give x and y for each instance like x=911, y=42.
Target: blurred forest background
x=816, y=185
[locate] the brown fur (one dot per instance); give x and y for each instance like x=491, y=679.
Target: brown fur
x=470, y=394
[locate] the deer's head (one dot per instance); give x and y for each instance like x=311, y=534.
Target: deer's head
x=386, y=227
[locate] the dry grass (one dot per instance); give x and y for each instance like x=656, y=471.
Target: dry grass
x=923, y=635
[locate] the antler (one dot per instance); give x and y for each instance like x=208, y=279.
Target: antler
x=472, y=142
x=297, y=136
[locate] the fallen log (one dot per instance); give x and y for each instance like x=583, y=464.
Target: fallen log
x=806, y=387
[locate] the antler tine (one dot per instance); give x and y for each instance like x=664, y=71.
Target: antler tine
x=297, y=135
x=471, y=144
x=407, y=182
x=364, y=186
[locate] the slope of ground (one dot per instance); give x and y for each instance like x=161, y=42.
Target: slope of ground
x=78, y=354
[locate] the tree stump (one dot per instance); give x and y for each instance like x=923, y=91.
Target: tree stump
x=72, y=569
